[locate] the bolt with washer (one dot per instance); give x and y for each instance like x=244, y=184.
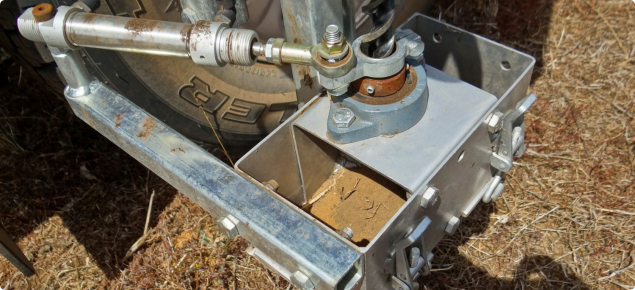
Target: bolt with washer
x=343, y=117
x=333, y=45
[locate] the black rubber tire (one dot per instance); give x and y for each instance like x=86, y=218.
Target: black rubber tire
x=112, y=69
x=24, y=51
x=238, y=134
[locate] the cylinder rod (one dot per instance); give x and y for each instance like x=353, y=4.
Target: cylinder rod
x=128, y=34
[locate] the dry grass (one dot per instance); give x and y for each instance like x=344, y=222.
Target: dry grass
x=566, y=220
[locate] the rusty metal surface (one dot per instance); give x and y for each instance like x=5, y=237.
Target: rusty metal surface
x=43, y=12
x=382, y=87
x=409, y=84
x=128, y=34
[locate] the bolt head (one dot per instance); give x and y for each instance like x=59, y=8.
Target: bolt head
x=429, y=197
x=343, y=117
x=452, y=225
x=495, y=122
x=347, y=233
x=229, y=227
x=302, y=281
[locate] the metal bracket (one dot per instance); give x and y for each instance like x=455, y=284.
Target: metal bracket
x=408, y=258
x=510, y=141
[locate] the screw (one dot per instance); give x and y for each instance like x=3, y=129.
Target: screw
x=343, y=117
x=347, y=233
x=370, y=90
x=333, y=34
x=415, y=253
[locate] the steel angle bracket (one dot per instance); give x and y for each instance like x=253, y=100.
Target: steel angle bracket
x=245, y=208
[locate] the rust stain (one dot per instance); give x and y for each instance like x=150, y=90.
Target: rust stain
x=305, y=73
x=138, y=26
x=118, y=120
x=146, y=128
x=405, y=90
x=89, y=17
x=185, y=33
x=229, y=46
x=87, y=117
x=384, y=86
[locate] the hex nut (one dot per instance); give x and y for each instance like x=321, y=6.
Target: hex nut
x=429, y=197
x=452, y=225
x=228, y=226
x=343, y=117
x=334, y=48
x=272, y=50
x=495, y=122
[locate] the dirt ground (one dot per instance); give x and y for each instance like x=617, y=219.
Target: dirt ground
x=76, y=204
x=357, y=198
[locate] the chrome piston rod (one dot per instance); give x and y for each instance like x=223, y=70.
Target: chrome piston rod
x=206, y=42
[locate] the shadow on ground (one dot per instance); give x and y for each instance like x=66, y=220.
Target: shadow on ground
x=52, y=163
x=522, y=25
x=455, y=271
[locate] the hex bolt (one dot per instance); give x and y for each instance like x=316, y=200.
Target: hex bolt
x=452, y=225
x=429, y=197
x=495, y=122
x=333, y=46
x=343, y=117
x=415, y=253
x=333, y=34
x=228, y=226
x=347, y=233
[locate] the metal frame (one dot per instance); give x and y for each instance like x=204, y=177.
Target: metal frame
x=292, y=242
x=445, y=161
